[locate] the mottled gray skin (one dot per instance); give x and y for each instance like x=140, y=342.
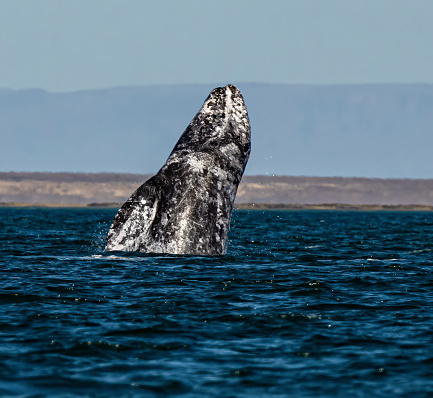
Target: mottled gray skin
x=186, y=207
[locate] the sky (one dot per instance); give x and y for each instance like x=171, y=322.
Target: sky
x=74, y=45
x=69, y=45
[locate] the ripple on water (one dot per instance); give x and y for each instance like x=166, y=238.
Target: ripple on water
x=303, y=304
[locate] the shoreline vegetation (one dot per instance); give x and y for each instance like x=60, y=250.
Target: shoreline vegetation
x=240, y=206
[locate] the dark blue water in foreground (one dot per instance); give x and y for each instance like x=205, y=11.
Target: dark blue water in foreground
x=305, y=304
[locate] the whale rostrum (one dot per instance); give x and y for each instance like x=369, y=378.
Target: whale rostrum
x=186, y=207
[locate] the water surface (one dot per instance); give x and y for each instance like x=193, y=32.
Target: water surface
x=305, y=304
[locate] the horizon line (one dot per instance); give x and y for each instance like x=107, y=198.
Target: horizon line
x=216, y=84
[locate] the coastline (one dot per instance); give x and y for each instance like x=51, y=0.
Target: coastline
x=112, y=189
x=238, y=206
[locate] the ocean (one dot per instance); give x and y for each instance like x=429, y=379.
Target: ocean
x=304, y=304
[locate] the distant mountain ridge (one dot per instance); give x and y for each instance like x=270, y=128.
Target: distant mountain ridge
x=115, y=187
x=343, y=130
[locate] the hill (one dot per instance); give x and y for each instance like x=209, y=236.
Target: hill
x=348, y=130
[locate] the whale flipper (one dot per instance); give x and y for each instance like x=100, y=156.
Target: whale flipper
x=186, y=207
x=134, y=219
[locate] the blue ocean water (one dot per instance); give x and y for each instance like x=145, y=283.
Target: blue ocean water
x=305, y=304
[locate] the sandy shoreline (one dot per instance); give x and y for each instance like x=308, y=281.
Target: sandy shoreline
x=112, y=189
x=240, y=206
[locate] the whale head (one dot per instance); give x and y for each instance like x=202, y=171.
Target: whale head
x=220, y=129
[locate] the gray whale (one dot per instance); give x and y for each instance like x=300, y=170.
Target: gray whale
x=186, y=207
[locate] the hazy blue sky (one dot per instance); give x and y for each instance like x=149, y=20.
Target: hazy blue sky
x=64, y=45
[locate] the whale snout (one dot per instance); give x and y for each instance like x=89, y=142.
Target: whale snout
x=233, y=89
x=229, y=90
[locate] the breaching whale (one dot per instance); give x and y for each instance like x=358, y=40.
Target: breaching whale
x=186, y=207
